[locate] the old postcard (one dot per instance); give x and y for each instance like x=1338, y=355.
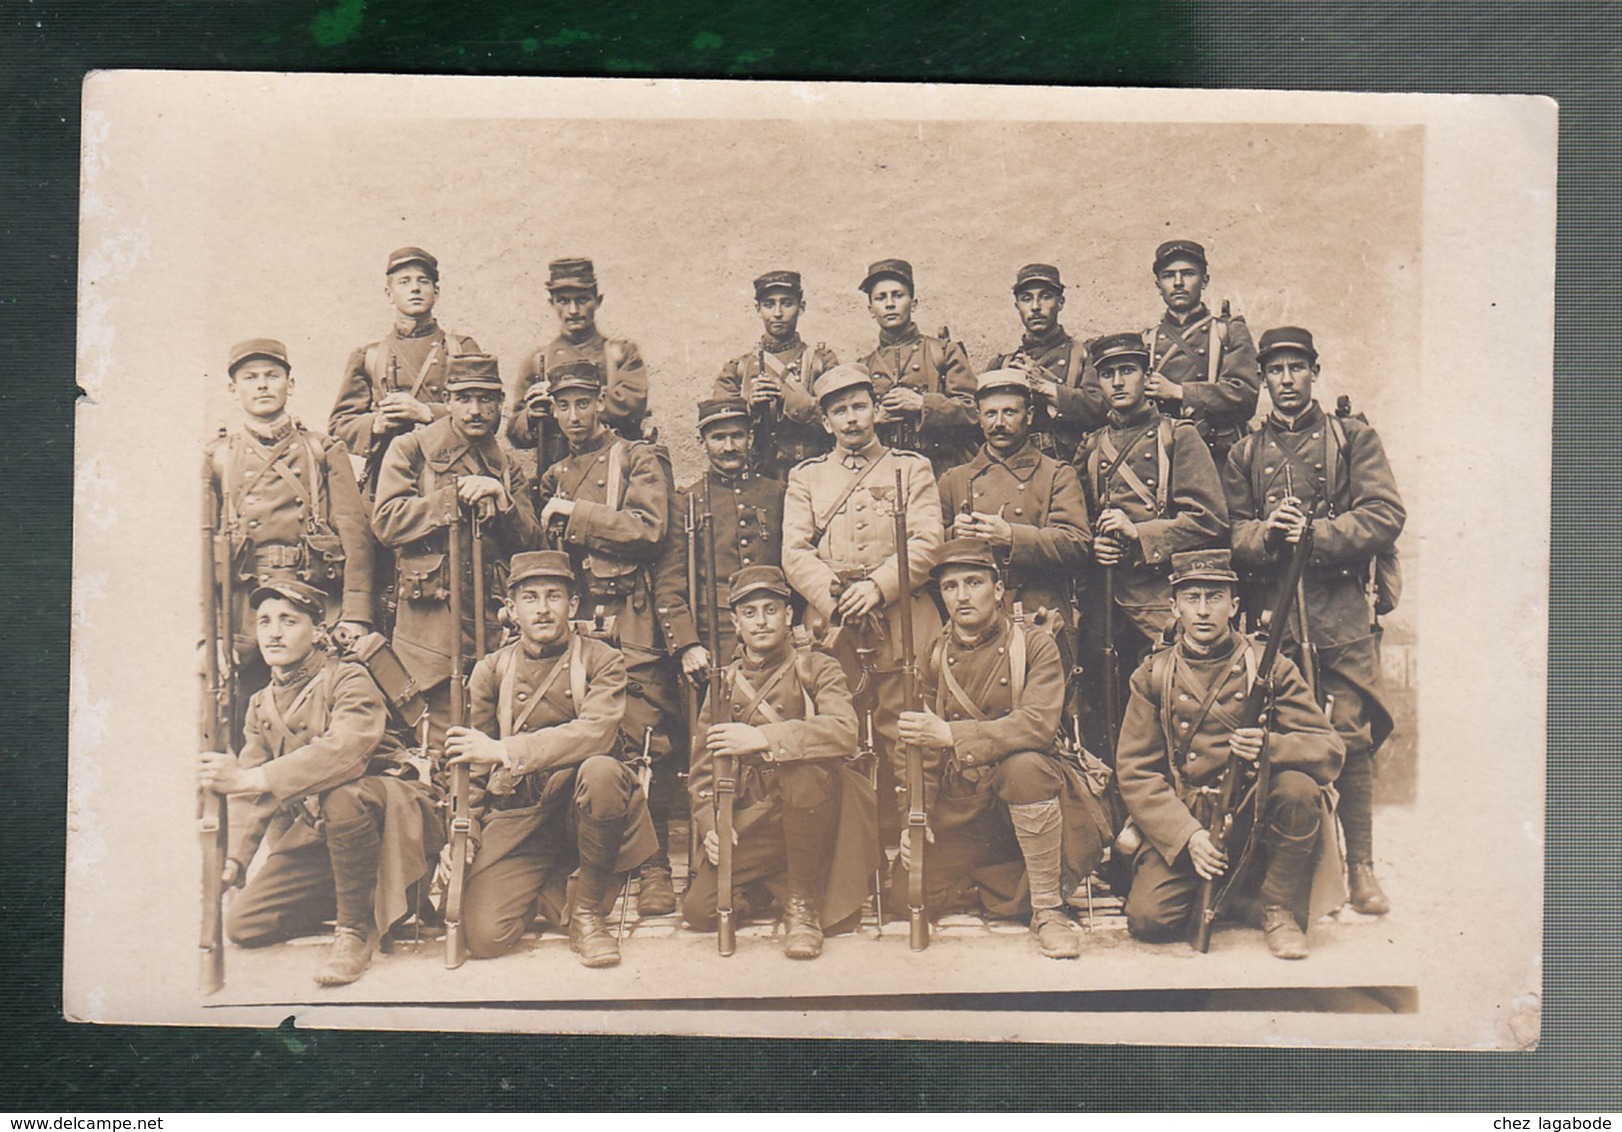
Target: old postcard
x=811, y=559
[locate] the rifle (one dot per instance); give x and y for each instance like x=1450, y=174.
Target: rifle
x=863, y=696
x=726, y=771
x=380, y=440
x=917, y=819
x=644, y=780
x=1257, y=712
x=690, y=683
x=461, y=820
x=1112, y=667
x=217, y=723
x=764, y=418
x=1309, y=651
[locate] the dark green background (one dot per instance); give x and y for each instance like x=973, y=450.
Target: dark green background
x=1568, y=51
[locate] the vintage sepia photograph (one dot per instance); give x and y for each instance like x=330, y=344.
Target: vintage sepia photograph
x=864, y=560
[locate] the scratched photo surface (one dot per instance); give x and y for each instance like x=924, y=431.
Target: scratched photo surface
x=219, y=208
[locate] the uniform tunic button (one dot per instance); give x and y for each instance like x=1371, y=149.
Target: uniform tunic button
x=1183, y=723
x=1315, y=436
x=999, y=650
x=601, y=483
x=523, y=695
x=743, y=522
x=1003, y=680
x=1019, y=510
x=743, y=542
x=1267, y=470
x=1182, y=695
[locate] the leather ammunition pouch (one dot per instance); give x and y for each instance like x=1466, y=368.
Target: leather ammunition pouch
x=407, y=707
x=325, y=560
x=424, y=575
x=606, y=576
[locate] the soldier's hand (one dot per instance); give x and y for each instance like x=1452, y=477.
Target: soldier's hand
x=735, y=740
x=924, y=728
x=221, y=773
x=1047, y=390
x=468, y=746
x=902, y=399
x=1287, y=521
x=473, y=490
x=765, y=388
x=1246, y=743
x=712, y=846
x=991, y=528
x=401, y=409
x=860, y=600
x=556, y=509
x=905, y=855
x=232, y=874
x=1113, y=521
x=1209, y=861
x=1162, y=388
x=694, y=659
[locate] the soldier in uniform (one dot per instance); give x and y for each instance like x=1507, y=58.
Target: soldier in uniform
x=924, y=385
x=1151, y=491
x=1027, y=506
x=1015, y=826
x=775, y=380
x=805, y=823
x=1181, y=728
x=608, y=505
x=839, y=551
x=351, y=830
x=748, y=517
x=1202, y=366
x=571, y=287
x=1069, y=401
x=450, y=472
x=393, y=385
x=289, y=501
x=1303, y=466
x=545, y=713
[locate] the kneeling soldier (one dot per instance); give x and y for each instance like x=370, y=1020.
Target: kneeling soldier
x=329, y=784
x=1008, y=806
x=804, y=822
x=1180, y=730
x=545, y=713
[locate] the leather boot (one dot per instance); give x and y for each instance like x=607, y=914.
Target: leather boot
x=803, y=939
x=1366, y=895
x=1055, y=934
x=594, y=886
x=657, y=894
x=353, y=847
x=1285, y=939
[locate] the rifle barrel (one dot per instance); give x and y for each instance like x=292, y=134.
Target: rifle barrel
x=461, y=821
x=216, y=723
x=726, y=783
x=917, y=818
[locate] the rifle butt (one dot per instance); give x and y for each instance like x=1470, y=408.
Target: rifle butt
x=918, y=936
x=726, y=938
x=726, y=933
x=460, y=831
x=1199, y=937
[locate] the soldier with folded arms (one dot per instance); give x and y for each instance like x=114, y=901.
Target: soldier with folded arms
x=544, y=715
x=1014, y=825
x=804, y=824
x=327, y=786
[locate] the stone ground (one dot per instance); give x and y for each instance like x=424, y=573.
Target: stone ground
x=666, y=966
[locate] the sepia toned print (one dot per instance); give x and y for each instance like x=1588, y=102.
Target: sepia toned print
x=718, y=559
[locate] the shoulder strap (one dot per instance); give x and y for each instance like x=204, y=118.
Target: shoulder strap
x=819, y=526
x=938, y=659
x=1152, y=337
x=1016, y=665
x=802, y=672
x=1219, y=340
x=1168, y=434
x=313, y=454
x=577, y=672
x=1160, y=676
x=616, y=473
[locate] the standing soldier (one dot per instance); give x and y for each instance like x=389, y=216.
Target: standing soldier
x=804, y=822
x=1179, y=733
x=1151, y=491
x=288, y=499
x=571, y=288
x=1015, y=825
x=452, y=473
x=840, y=554
x=608, y=504
x=924, y=386
x=1069, y=401
x=393, y=385
x=1303, y=466
x=748, y=517
x=775, y=380
x=545, y=714
x=1026, y=506
x=351, y=830
x=1202, y=366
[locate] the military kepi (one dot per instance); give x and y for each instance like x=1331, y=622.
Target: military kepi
x=1214, y=565
x=578, y=374
x=1286, y=338
x=753, y=580
x=472, y=371
x=1002, y=381
x=887, y=269
x=402, y=257
x=257, y=348
x=1178, y=249
x=840, y=378
x=533, y=564
x=721, y=409
x=575, y=272
x=965, y=552
x=1033, y=274
x=306, y=597
x=1118, y=346
x=778, y=281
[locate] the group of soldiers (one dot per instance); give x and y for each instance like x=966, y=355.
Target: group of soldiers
x=890, y=623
